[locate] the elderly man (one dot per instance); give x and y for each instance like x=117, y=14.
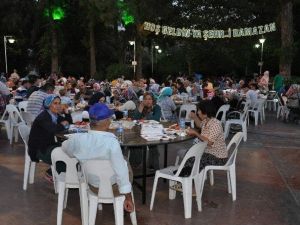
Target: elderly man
x=98, y=143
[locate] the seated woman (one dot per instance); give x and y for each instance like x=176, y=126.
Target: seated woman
x=167, y=105
x=148, y=110
x=42, y=134
x=212, y=133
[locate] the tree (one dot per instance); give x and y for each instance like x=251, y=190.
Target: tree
x=287, y=39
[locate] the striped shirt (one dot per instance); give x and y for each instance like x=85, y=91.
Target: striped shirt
x=35, y=102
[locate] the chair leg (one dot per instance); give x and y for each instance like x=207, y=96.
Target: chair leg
x=226, y=132
x=228, y=182
x=133, y=214
x=187, y=197
x=119, y=211
x=66, y=197
x=233, y=182
x=7, y=127
x=83, y=203
x=100, y=207
x=172, y=192
x=26, y=173
x=60, y=204
x=93, y=202
x=32, y=172
x=244, y=129
x=211, y=177
x=16, y=133
x=256, y=118
x=153, y=191
x=198, y=186
x=11, y=131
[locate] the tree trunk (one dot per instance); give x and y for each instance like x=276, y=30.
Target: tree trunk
x=287, y=40
x=93, y=68
x=139, y=59
x=54, y=48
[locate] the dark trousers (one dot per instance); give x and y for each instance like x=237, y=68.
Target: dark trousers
x=46, y=158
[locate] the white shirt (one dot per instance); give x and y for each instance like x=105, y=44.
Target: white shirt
x=100, y=145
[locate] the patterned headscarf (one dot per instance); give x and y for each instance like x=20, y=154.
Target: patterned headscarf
x=166, y=91
x=48, y=100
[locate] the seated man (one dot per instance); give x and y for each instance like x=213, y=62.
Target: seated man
x=98, y=143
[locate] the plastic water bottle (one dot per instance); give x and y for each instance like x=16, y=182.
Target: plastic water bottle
x=125, y=114
x=107, y=99
x=120, y=133
x=182, y=126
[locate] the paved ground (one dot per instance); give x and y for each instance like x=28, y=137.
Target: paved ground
x=268, y=188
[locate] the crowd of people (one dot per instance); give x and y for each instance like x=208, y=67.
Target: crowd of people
x=52, y=100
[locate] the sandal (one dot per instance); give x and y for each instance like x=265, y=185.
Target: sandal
x=48, y=178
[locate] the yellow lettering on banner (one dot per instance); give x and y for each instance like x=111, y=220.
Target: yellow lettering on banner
x=157, y=29
x=205, y=34
x=261, y=30
x=146, y=26
x=235, y=33
x=272, y=27
x=248, y=31
x=164, y=30
x=186, y=32
x=254, y=31
x=228, y=34
x=267, y=29
x=178, y=32
x=196, y=33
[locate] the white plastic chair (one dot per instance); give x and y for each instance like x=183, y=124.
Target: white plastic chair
x=64, y=180
x=103, y=172
x=272, y=103
x=229, y=167
x=223, y=109
x=242, y=121
x=187, y=108
x=23, y=106
x=282, y=109
x=257, y=111
x=29, y=166
x=195, y=151
x=13, y=120
x=27, y=117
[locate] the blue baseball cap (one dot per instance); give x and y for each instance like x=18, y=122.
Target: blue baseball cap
x=100, y=111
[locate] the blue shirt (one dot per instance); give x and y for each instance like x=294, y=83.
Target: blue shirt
x=104, y=146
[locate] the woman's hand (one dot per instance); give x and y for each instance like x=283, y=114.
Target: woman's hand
x=191, y=132
x=141, y=107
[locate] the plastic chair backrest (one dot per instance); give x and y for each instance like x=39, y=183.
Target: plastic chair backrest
x=245, y=111
x=223, y=109
x=71, y=170
x=187, y=108
x=24, y=132
x=236, y=140
x=27, y=117
x=14, y=114
x=195, y=151
x=23, y=106
x=103, y=171
x=162, y=112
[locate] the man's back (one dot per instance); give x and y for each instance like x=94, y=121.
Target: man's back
x=35, y=102
x=100, y=145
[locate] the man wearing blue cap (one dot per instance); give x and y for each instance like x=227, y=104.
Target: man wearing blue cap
x=98, y=143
